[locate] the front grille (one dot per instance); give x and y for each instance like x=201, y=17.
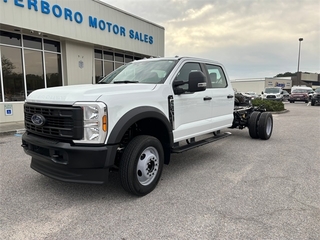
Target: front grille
x=62, y=122
x=271, y=96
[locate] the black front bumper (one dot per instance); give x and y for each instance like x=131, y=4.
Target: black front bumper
x=67, y=162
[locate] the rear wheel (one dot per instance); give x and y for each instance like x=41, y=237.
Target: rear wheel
x=265, y=125
x=253, y=124
x=141, y=165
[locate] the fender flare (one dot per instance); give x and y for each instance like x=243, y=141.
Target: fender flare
x=135, y=115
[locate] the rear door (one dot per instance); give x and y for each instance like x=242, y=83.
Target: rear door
x=222, y=94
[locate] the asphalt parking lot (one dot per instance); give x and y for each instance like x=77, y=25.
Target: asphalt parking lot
x=236, y=188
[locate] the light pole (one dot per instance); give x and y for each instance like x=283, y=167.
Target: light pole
x=300, y=40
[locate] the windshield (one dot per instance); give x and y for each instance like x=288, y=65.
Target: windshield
x=300, y=91
x=317, y=90
x=272, y=90
x=141, y=72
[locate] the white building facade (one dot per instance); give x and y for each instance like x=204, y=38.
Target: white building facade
x=259, y=84
x=66, y=42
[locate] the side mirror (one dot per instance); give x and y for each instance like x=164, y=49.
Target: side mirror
x=197, y=82
x=262, y=92
x=176, y=87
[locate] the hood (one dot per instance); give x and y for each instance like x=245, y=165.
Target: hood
x=68, y=95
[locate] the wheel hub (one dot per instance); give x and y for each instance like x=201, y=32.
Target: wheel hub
x=147, y=166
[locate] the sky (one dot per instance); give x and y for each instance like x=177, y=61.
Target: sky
x=251, y=38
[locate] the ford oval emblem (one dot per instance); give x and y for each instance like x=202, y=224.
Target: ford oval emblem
x=38, y=120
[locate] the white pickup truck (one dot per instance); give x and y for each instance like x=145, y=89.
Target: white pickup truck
x=133, y=120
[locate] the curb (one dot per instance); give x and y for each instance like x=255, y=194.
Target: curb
x=11, y=132
x=284, y=111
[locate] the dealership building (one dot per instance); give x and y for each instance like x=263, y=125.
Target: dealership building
x=66, y=42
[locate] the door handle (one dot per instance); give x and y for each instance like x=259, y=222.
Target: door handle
x=230, y=96
x=207, y=98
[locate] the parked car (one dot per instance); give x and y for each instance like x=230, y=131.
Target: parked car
x=252, y=94
x=315, y=97
x=299, y=95
x=286, y=95
x=310, y=93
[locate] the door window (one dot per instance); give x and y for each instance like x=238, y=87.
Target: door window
x=183, y=74
x=217, y=77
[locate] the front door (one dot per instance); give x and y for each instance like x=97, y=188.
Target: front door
x=192, y=111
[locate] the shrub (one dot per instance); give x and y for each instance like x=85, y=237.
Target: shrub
x=269, y=105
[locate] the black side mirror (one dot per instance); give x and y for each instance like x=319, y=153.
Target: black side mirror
x=197, y=81
x=176, y=87
x=262, y=92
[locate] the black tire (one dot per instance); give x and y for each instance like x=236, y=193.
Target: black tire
x=141, y=165
x=313, y=103
x=265, y=125
x=306, y=101
x=253, y=125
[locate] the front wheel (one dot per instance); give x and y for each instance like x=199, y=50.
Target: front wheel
x=313, y=103
x=141, y=165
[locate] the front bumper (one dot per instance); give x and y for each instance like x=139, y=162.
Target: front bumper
x=67, y=162
x=316, y=99
x=273, y=99
x=299, y=98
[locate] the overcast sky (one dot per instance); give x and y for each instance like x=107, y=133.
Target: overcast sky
x=252, y=38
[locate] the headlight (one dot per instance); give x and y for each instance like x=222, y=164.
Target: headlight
x=95, y=122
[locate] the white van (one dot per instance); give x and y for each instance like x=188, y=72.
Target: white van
x=273, y=93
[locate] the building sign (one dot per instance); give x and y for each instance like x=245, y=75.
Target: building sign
x=277, y=84
x=45, y=7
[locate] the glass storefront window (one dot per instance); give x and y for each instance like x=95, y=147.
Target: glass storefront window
x=12, y=73
x=52, y=46
x=119, y=57
x=108, y=67
x=34, y=70
x=32, y=42
x=108, y=56
x=98, y=54
x=99, y=70
x=10, y=38
x=118, y=65
x=128, y=59
x=53, y=69
x=106, y=61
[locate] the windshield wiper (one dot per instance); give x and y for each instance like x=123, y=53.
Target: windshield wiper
x=126, y=81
